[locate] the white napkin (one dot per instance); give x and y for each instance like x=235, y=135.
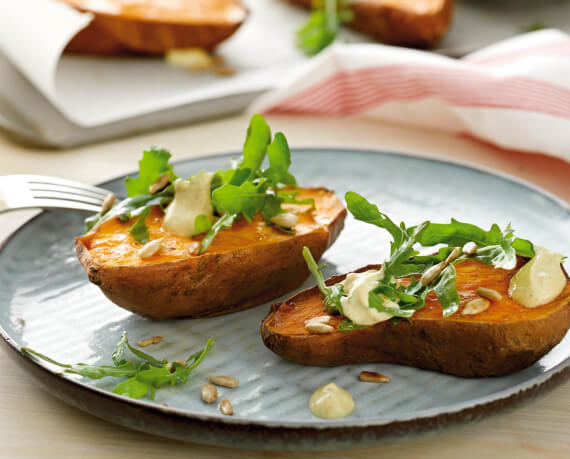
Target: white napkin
x=514, y=94
x=65, y=100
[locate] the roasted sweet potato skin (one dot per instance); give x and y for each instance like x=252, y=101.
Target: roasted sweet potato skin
x=246, y=265
x=506, y=338
x=415, y=23
x=152, y=28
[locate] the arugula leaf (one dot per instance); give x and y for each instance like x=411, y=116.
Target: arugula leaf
x=143, y=377
x=202, y=224
x=402, y=253
x=143, y=355
x=446, y=291
x=289, y=197
x=430, y=260
x=239, y=176
x=118, y=355
x=149, y=377
x=244, y=190
x=495, y=247
x=377, y=302
x=248, y=190
x=131, y=207
x=132, y=388
x=523, y=247
x=82, y=369
x=100, y=371
x=279, y=157
x=226, y=221
x=501, y=256
x=153, y=165
x=245, y=199
x=139, y=230
x=367, y=212
x=271, y=208
x=348, y=325
x=199, y=356
x=323, y=25
x=331, y=294
x=255, y=146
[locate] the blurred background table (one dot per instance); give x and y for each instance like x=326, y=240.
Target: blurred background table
x=34, y=424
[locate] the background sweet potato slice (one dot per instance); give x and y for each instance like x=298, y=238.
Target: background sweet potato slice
x=416, y=23
x=154, y=27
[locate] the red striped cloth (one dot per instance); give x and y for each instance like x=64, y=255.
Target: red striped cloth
x=515, y=94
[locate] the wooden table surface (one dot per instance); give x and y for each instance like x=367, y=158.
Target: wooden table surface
x=35, y=424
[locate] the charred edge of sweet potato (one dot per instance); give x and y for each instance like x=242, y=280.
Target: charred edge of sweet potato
x=166, y=298
x=466, y=349
x=91, y=267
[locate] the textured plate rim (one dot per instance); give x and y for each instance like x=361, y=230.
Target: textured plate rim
x=558, y=372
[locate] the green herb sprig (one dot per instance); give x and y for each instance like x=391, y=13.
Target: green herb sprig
x=323, y=25
x=331, y=294
x=495, y=247
x=143, y=376
x=241, y=192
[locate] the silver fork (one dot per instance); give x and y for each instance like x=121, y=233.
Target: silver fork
x=37, y=191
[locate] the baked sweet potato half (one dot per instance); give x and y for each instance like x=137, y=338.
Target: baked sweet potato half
x=153, y=27
x=213, y=243
x=246, y=265
x=415, y=23
x=485, y=304
x=505, y=338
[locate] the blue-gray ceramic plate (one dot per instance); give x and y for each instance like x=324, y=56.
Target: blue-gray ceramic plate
x=46, y=303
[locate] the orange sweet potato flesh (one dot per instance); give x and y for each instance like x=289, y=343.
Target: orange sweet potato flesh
x=246, y=265
x=415, y=23
x=503, y=339
x=153, y=26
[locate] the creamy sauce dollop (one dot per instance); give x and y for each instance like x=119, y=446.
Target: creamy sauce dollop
x=355, y=304
x=539, y=281
x=191, y=198
x=331, y=402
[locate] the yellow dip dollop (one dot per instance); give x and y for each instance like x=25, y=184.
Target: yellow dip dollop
x=539, y=281
x=331, y=402
x=191, y=198
x=355, y=304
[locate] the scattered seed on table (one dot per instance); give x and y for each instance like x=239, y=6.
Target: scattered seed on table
x=372, y=376
x=209, y=393
x=224, y=381
x=149, y=341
